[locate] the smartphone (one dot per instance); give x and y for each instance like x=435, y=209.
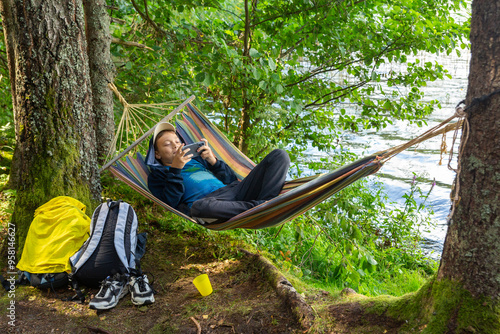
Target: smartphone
x=193, y=148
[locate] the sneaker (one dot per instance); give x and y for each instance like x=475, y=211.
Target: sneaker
x=140, y=289
x=112, y=290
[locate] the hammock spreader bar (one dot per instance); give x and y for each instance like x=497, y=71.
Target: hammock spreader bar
x=297, y=196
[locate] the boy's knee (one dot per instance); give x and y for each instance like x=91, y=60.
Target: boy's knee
x=280, y=154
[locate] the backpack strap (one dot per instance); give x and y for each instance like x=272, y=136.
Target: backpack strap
x=22, y=279
x=79, y=296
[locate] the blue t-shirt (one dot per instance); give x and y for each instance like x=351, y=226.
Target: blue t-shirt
x=198, y=182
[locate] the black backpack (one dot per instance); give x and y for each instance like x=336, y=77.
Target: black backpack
x=113, y=246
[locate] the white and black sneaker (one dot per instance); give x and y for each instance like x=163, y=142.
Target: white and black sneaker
x=140, y=289
x=112, y=290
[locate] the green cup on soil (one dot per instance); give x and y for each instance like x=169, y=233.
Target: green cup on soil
x=202, y=283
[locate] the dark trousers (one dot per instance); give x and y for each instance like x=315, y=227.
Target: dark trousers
x=263, y=183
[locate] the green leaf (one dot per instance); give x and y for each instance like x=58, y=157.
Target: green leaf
x=371, y=260
x=256, y=73
x=271, y=64
x=200, y=77
x=355, y=277
x=209, y=79
x=279, y=89
x=254, y=53
x=342, y=50
x=356, y=233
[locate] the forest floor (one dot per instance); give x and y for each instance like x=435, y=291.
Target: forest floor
x=243, y=300
x=246, y=297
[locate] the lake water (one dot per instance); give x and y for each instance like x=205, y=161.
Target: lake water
x=397, y=174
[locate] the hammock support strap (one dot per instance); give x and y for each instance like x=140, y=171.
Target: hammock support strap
x=147, y=133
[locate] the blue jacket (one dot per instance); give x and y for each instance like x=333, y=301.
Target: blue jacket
x=166, y=183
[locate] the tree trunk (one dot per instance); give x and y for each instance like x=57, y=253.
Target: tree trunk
x=56, y=142
x=243, y=128
x=102, y=71
x=464, y=297
x=472, y=250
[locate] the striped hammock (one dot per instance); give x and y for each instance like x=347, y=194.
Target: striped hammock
x=297, y=196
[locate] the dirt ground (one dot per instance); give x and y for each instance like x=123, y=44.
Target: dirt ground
x=242, y=302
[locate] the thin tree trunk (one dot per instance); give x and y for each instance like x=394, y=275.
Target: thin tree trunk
x=244, y=126
x=102, y=71
x=56, y=141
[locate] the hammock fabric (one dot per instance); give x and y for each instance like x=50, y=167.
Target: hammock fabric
x=297, y=196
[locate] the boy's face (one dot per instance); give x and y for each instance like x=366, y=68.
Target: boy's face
x=167, y=144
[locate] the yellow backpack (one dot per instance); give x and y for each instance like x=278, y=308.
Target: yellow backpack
x=58, y=230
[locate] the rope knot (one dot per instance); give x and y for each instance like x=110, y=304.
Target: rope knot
x=460, y=112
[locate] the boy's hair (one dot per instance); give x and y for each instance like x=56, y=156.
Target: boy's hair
x=161, y=133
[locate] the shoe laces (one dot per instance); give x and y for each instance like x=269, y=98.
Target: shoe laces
x=141, y=283
x=140, y=276
x=105, y=285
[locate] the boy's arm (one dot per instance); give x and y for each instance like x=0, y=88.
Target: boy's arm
x=218, y=167
x=167, y=185
x=222, y=171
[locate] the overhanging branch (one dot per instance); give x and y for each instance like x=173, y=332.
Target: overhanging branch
x=127, y=43
x=145, y=17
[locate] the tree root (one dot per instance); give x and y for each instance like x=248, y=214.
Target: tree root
x=197, y=324
x=302, y=311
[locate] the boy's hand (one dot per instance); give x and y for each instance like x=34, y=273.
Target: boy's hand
x=180, y=159
x=206, y=153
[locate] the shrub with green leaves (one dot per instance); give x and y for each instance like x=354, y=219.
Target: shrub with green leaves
x=280, y=73
x=355, y=239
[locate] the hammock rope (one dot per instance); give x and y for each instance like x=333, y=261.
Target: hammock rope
x=455, y=198
x=440, y=129
x=134, y=117
x=129, y=123
x=297, y=197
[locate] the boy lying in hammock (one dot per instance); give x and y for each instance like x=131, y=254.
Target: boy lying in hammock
x=204, y=187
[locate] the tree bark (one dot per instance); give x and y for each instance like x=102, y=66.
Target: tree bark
x=102, y=71
x=472, y=249
x=56, y=141
x=243, y=128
